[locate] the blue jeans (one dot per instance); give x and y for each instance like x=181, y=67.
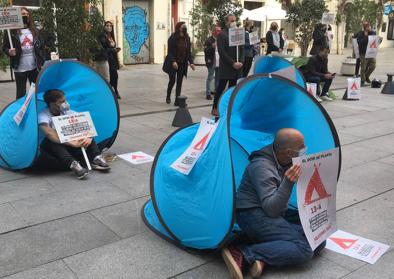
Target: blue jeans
x=318, y=80
x=275, y=241
x=212, y=75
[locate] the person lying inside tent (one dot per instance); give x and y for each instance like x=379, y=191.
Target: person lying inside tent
x=66, y=153
x=275, y=234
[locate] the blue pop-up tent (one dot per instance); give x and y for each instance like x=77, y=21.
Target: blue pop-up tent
x=198, y=210
x=84, y=89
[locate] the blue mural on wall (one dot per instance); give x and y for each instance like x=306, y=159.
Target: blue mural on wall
x=136, y=28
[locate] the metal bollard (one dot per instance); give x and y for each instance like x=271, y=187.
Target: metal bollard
x=388, y=88
x=182, y=116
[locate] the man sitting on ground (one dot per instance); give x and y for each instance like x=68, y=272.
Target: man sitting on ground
x=262, y=210
x=317, y=72
x=66, y=152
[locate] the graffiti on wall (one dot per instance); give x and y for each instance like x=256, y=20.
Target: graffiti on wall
x=136, y=28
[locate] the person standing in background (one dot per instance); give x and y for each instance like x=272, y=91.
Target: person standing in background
x=210, y=51
x=319, y=39
x=330, y=36
x=250, y=51
x=368, y=65
x=274, y=39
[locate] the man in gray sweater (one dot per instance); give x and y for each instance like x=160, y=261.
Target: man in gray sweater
x=262, y=209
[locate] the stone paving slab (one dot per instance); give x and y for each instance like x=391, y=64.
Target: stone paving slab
x=10, y=219
x=53, y=270
x=34, y=246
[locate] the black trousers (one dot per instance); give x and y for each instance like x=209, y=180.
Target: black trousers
x=113, y=79
x=357, y=70
x=246, y=67
x=21, y=79
x=219, y=91
x=178, y=77
x=67, y=154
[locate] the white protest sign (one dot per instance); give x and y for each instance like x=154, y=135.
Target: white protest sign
x=22, y=111
x=236, y=36
x=137, y=158
x=11, y=18
x=311, y=88
x=356, y=247
x=74, y=126
x=355, y=48
x=254, y=38
x=185, y=163
x=354, y=88
x=316, y=195
x=328, y=18
x=372, y=47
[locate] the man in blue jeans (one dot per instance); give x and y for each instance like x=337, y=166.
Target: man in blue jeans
x=275, y=233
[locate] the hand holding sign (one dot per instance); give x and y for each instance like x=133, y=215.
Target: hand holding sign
x=293, y=173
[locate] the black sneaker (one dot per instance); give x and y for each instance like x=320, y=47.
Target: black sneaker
x=367, y=80
x=209, y=97
x=100, y=164
x=78, y=170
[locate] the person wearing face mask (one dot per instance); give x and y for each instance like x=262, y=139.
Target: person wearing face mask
x=67, y=153
x=274, y=39
x=212, y=60
x=262, y=211
x=249, y=50
x=317, y=72
x=27, y=55
x=110, y=53
x=368, y=65
x=178, y=59
x=319, y=39
x=229, y=68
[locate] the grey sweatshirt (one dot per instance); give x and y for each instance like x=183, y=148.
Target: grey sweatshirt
x=264, y=184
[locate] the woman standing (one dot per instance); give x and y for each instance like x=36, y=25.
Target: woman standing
x=249, y=49
x=319, y=38
x=107, y=40
x=26, y=55
x=177, y=60
x=274, y=39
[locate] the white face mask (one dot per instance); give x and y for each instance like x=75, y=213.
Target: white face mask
x=233, y=24
x=64, y=107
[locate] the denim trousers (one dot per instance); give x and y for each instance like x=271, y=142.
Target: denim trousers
x=318, y=80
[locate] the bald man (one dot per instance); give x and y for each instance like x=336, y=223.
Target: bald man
x=262, y=210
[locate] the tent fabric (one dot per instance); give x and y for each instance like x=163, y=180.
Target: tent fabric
x=84, y=89
x=197, y=210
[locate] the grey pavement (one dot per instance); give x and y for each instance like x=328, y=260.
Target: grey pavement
x=54, y=226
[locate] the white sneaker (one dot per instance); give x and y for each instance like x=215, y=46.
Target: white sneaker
x=326, y=98
x=318, y=99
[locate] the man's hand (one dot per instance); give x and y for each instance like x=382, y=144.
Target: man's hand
x=74, y=143
x=237, y=65
x=293, y=173
x=175, y=65
x=328, y=76
x=193, y=67
x=85, y=142
x=12, y=52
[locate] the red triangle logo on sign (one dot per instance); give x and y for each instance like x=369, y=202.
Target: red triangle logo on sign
x=354, y=86
x=315, y=185
x=344, y=243
x=133, y=157
x=373, y=44
x=310, y=90
x=201, y=144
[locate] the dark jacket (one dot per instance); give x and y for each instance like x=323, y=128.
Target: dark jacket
x=171, y=56
x=48, y=40
x=319, y=40
x=14, y=60
x=209, y=51
x=264, y=185
x=362, y=41
x=228, y=56
x=270, y=42
x=316, y=66
x=109, y=52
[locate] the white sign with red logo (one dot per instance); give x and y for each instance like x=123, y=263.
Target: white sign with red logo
x=11, y=18
x=316, y=195
x=254, y=38
x=22, y=111
x=76, y=126
x=137, y=158
x=185, y=163
x=355, y=48
x=354, y=88
x=236, y=36
x=356, y=247
x=373, y=45
x=311, y=88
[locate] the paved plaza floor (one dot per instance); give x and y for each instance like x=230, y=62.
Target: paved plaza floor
x=54, y=226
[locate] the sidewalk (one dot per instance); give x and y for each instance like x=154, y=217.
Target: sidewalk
x=54, y=226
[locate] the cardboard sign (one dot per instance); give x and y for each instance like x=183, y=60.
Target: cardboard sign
x=355, y=48
x=11, y=18
x=236, y=36
x=254, y=38
x=74, y=126
x=316, y=195
x=185, y=163
x=356, y=247
x=137, y=158
x=354, y=88
x=22, y=111
x=372, y=47
x=311, y=88
x=328, y=18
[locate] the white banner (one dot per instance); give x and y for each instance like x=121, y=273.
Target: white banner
x=311, y=88
x=372, y=48
x=316, y=195
x=354, y=88
x=236, y=36
x=74, y=126
x=328, y=18
x=22, y=111
x=356, y=247
x=137, y=158
x=185, y=163
x=355, y=48
x=11, y=18
x=254, y=38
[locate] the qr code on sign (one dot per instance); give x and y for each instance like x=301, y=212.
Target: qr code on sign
x=188, y=160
